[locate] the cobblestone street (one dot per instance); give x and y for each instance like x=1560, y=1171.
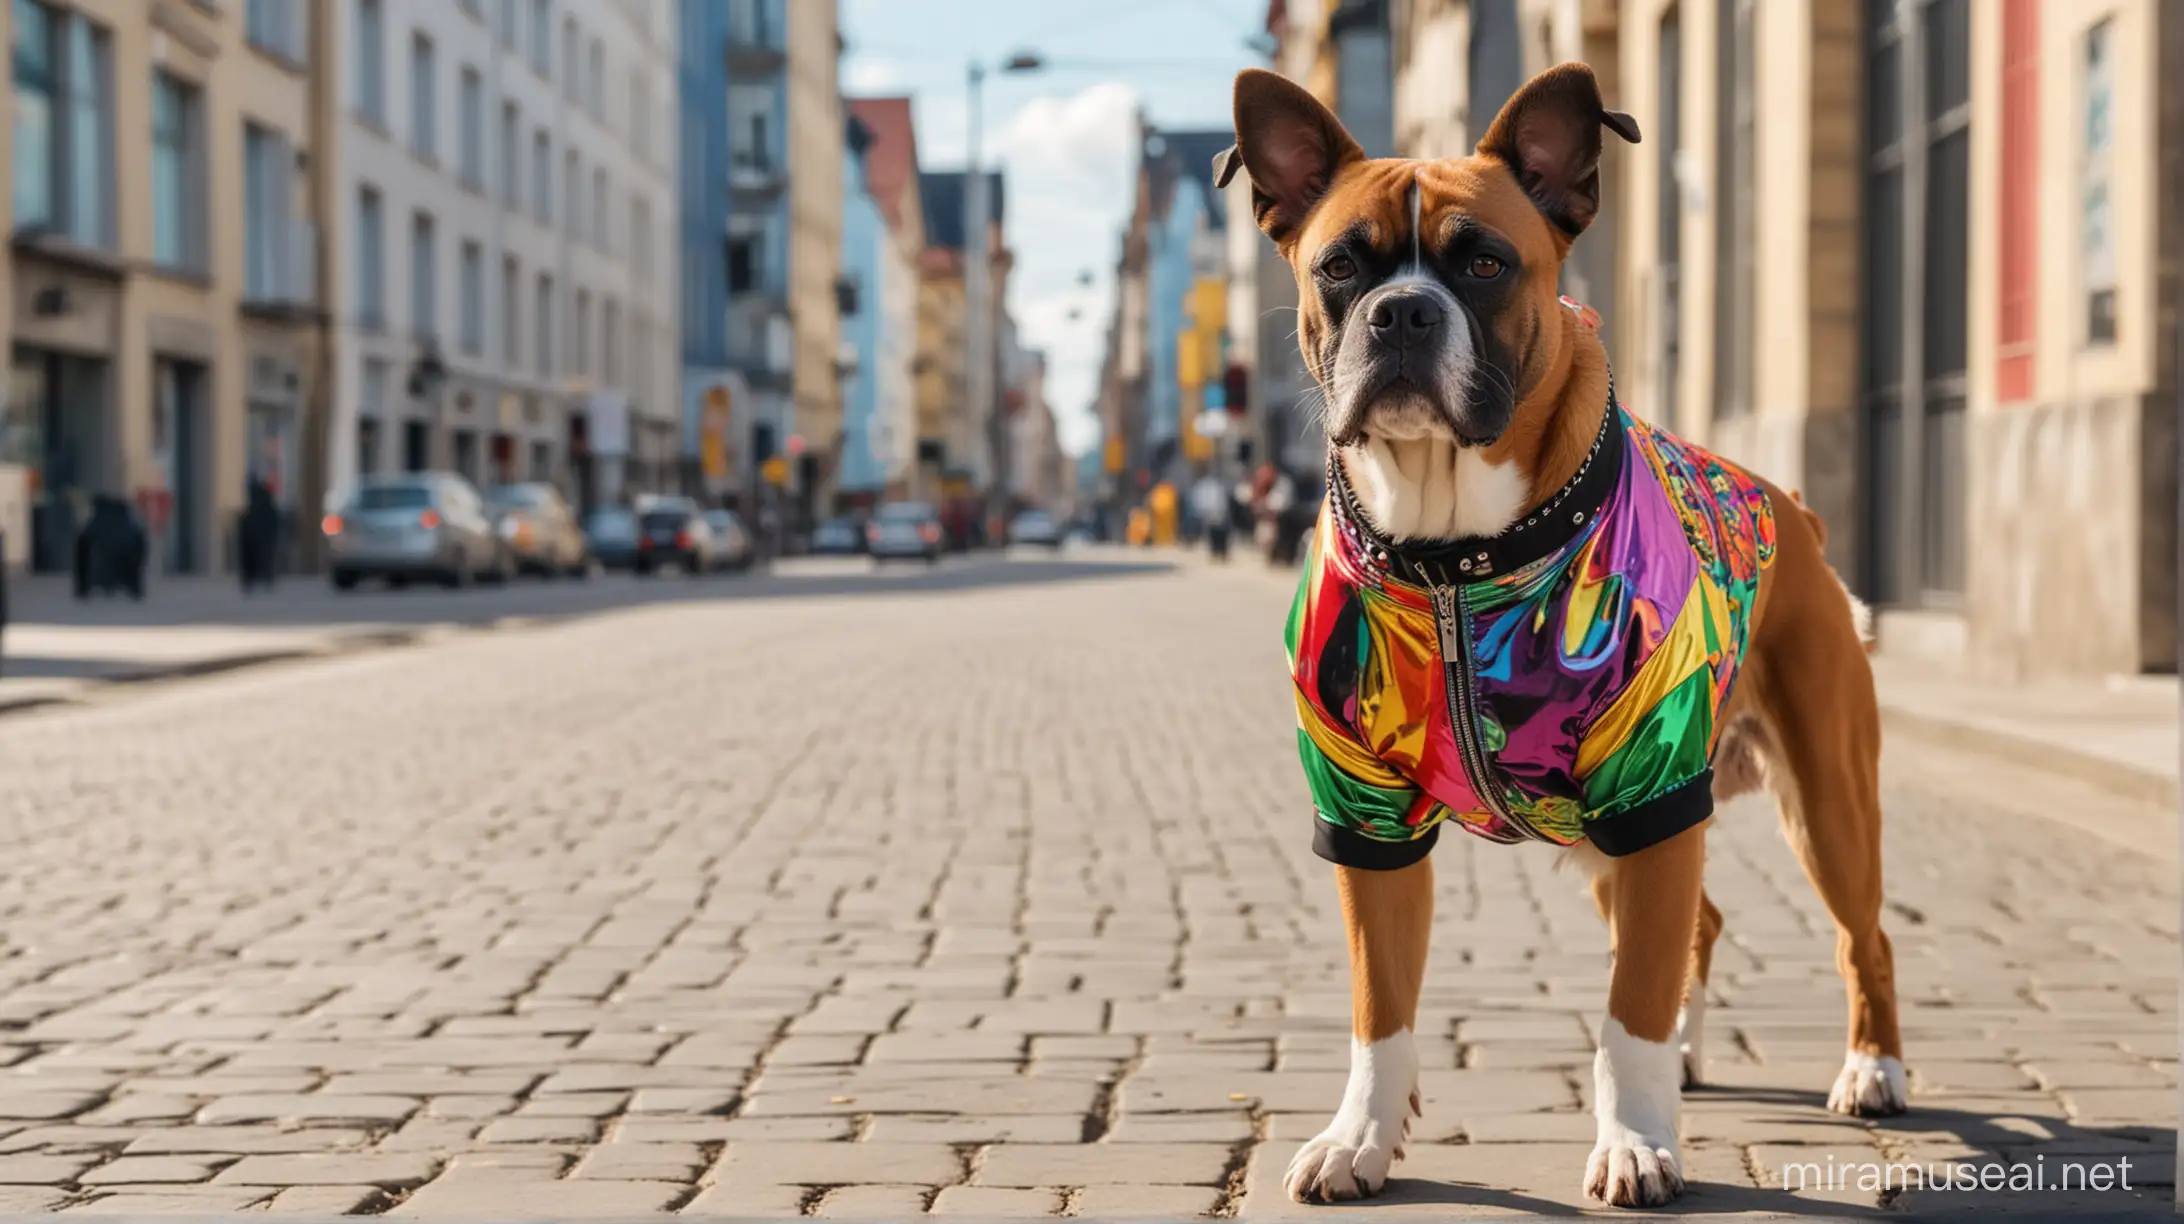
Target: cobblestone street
x=994, y=899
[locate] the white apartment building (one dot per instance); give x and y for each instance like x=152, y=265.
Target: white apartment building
x=503, y=288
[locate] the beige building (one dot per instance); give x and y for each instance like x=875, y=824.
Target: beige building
x=1942, y=324
x=162, y=302
x=815, y=240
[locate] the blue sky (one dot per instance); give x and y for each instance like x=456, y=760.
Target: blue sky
x=1064, y=135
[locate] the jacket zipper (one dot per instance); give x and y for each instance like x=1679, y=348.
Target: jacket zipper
x=1461, y=680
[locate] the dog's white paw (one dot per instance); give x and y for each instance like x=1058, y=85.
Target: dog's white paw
x=1351, y=1158
x=1870, y=1087
x=1691, y=1037
x=1635, y=1161
x=1632, y=1170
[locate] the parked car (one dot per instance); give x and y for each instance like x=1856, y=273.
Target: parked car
x=540, y=529
x=904, y=529
x=672, y=532
x=425, y=525
x=837, y=537
x=1036, y=527
x=610, y=534
x=735, y=551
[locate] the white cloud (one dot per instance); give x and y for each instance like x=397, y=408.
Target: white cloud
x=863, y=75
x=1071, y=162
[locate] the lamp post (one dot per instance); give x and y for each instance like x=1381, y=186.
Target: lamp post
x=978, y=314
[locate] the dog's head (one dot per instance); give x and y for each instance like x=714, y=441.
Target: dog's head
x=1425, y=288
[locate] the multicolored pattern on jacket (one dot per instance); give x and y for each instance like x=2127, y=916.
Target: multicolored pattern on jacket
x=1601, y=669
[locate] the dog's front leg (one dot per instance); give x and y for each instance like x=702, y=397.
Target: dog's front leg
x=1652, y=901
x=1389, y=915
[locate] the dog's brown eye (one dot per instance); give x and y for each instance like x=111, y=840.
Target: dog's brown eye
x=1339, y=268
x=1486, y=267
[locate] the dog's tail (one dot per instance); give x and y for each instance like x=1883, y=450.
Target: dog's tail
x=1861, y=615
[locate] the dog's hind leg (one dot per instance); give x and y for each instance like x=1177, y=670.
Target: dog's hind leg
x=1814, y=687
x=1389, y=917
x=1691, y=1021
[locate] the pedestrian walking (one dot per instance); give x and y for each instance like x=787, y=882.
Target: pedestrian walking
x=261, y=529
x=1210, y=504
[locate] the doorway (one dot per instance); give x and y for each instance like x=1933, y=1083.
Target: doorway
x=58, y=401
x=1914, y=310
x=178, y=448
x=416, y=446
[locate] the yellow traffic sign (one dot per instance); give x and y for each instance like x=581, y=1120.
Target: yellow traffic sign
x=776, y=471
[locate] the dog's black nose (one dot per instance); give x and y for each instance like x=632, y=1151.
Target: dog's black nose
x=1405, y=319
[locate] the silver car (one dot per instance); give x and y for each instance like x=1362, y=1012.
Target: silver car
x=541, y=530
x=427, y=526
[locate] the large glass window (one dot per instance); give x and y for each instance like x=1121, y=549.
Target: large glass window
x=580, y=335
x=542, y=37
x=277, y=26
x=177, y=178
x=511, y=326
x=610, y=342
x=371, y=251
x=424, y=98
x=424, y=277
x=511, y=184
x=63, y=155
x=473, y=290
x=543, y=317
x=600, y=237
x=572, y=185
x=542, y=177
x=471, y=154
x=371, y=61
x=267, y=171
x=2096, y=209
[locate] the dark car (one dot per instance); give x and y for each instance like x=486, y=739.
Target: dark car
x=673, y=532
x=905, y=530
x=611, y=532
x=837, y=537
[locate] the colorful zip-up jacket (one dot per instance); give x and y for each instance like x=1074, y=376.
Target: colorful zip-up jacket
x=1561, y=681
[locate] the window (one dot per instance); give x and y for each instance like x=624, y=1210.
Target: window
x=1736, y=265
x=508, y=24
x=511, y=332
x=610, y=342
x=63, y=155
x=742, y=263
x=371, y=62
x=424, y=103
x=2097, y=233
x=268, y=196
x=542, y=177
x=277, y=26
x=542, y=37
x=572, y=185
x=471, y=155
x=2019, y=187
x=511, y=175
x=640, y=238
x=572, y=83
x=543, y=325
x=595, y=82
x=371, y=261
x=474, y=8
x=424, y=278
x=472, y=272
x=640, y=115
x=580, y=338
x=178, y=181
x=599, y=207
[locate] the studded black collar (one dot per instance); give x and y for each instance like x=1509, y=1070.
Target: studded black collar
x=1540, y=533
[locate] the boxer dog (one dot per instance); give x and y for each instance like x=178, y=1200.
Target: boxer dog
x=1532, y=614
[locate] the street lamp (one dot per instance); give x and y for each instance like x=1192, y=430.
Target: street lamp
x=978, y=329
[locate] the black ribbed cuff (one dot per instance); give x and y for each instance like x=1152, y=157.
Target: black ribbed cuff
x=1656, y=820
x=1349, y=848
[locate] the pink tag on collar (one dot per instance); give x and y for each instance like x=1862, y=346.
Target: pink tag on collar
x=1587, y=317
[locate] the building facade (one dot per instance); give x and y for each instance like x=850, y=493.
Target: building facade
x=954, y=438
x=163, y=273
x=891, y=174
x=815, y=201
x=505, y=296
x=860, y=474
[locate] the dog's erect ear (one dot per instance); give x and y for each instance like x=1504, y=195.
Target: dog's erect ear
x=1290, y=145
x=1549, y=137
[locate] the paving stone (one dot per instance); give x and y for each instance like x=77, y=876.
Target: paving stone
x=1146, y=1202
x=1182, y=1128
x=830, y=1164
x=148, y=1170
x=34, y=1105
x=306, y=1108
x=995, y=1202
x=1044, y=1164
x=872, y=1202
x=564, y=1200
x=388, y=1170
x=325, y=1201
x=161, y=1201
x=674, y=1162
x=42, y=1170
x=747, y=1201
x=1064, y=1129
x=540, y=1130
